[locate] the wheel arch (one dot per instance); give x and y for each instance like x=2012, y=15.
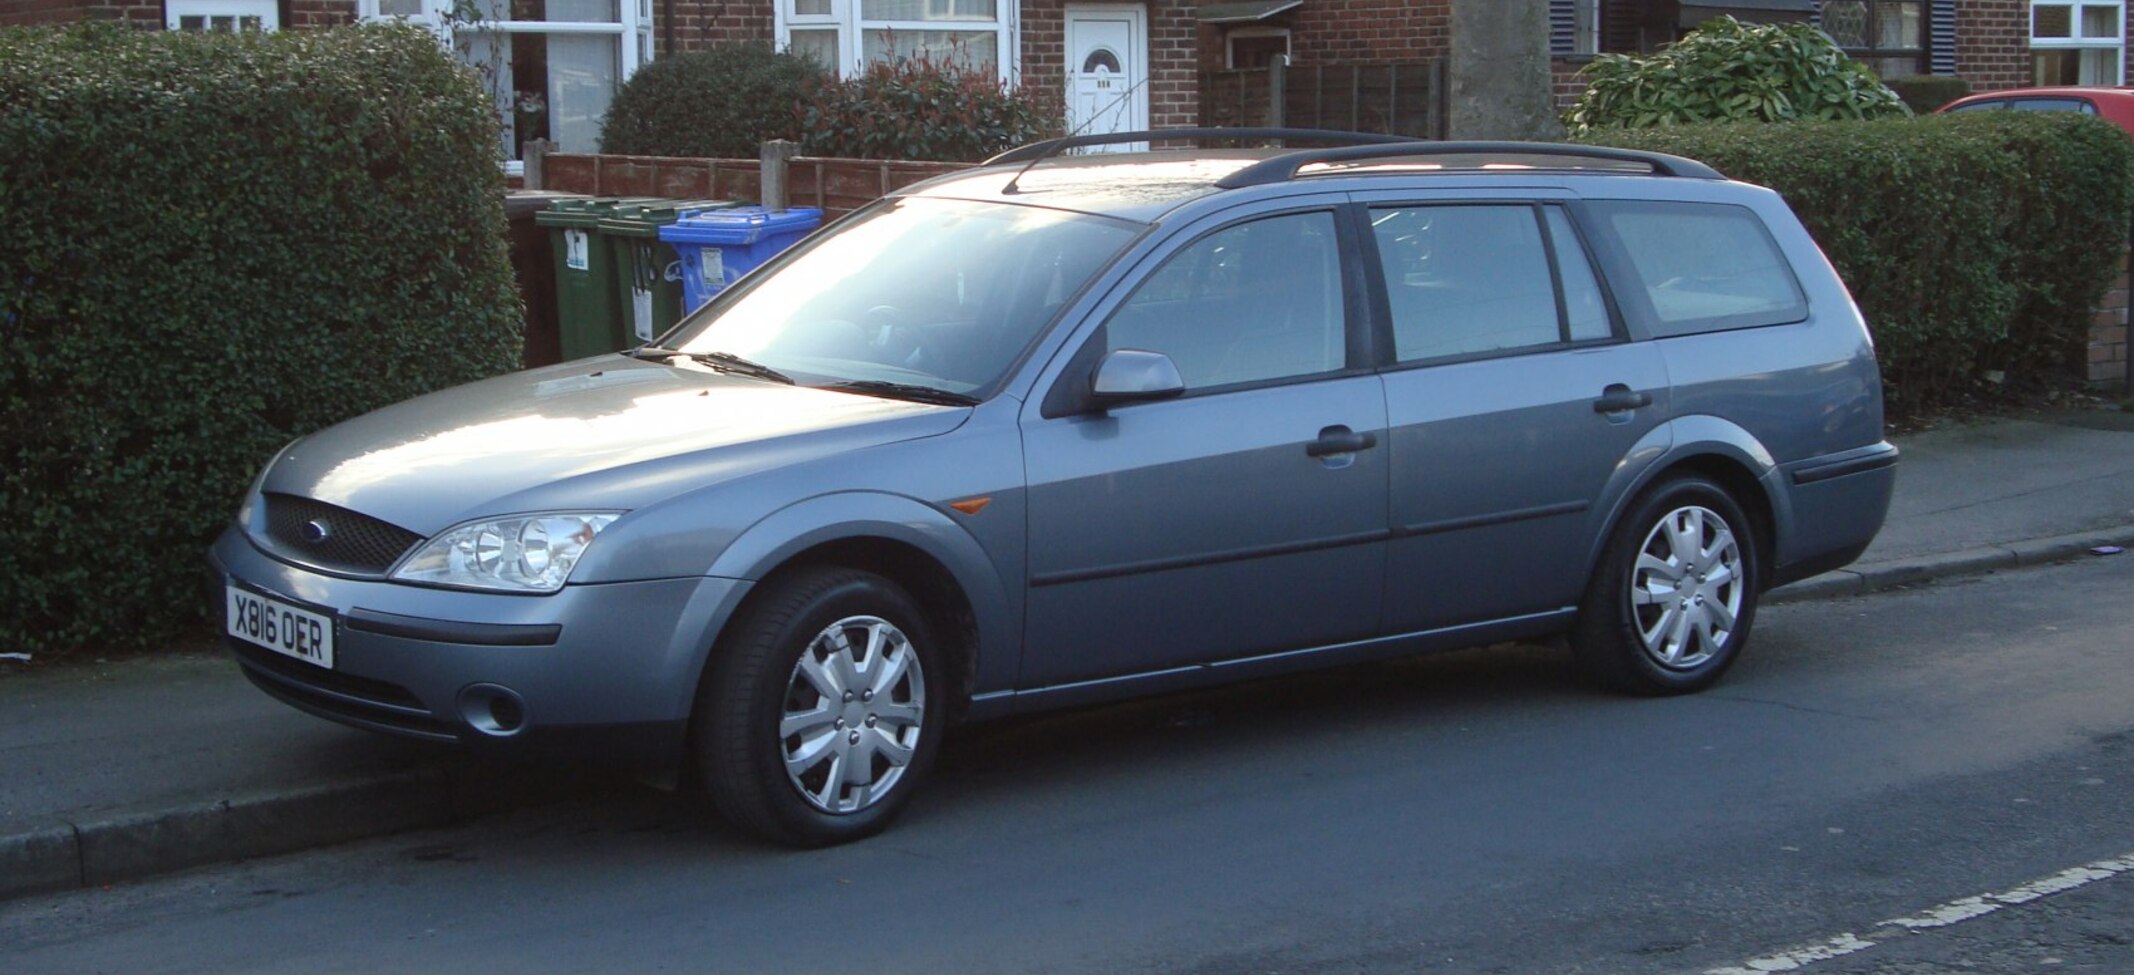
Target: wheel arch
x=903, y=540
x=1716, y=449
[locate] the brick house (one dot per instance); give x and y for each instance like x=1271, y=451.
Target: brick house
x=1132, y=64
x=1991, y=43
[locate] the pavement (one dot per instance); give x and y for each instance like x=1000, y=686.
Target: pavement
x=115, y=770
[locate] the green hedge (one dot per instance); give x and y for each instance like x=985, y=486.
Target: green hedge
x=724, y=102
x=215, y=243
x=1975, y=242
x=923, y=108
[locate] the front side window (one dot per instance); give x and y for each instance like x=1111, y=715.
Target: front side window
x=1255, y=302
x=944, y=294
x=1701, y=267
x=847, y=35
x=2078, y=43
x=1470, y=280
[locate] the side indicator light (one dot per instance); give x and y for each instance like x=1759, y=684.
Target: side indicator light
x=971, y=506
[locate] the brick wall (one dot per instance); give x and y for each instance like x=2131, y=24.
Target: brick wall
x=306, y=14
x=1370, y=31
x=699, y=24
x=1993, y=43
x=22, y=12
x=1564, y=83
x=2107, y=358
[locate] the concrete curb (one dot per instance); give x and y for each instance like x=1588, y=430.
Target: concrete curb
x=1876, y=576
x=110, y=846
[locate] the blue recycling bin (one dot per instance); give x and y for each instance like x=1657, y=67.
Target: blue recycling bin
x=717, y=247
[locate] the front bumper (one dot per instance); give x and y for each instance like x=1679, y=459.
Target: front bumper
x=607, y=670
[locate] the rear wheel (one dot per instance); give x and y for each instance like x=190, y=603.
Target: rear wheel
x=1669, y=607
x=818, y=720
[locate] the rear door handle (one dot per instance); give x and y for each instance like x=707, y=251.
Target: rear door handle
x=1618, y=397
x=1340, y=440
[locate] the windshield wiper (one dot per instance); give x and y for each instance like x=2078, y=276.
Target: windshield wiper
x=910, y=391
x=729, y=362
x=722, y=361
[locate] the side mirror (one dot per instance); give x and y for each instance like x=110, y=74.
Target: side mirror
x=1133, y=376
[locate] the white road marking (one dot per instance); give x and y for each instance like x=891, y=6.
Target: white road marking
x=1940, y=916
x=1795, y=958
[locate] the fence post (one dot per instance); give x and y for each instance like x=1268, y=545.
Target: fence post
x=1277, y=76
x=776, y=158
x=535, y=153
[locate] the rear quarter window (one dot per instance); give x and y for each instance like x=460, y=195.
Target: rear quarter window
x=1698, y=267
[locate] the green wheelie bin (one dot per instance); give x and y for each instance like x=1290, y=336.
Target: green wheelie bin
x=648, y=273
x=588, y=316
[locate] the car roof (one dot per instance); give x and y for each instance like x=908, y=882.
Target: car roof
x=1144, y=185
x=2046, y=91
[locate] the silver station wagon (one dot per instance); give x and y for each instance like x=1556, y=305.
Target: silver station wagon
x=1069, y=428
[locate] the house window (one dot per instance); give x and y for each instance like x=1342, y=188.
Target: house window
x=1889, y=36
x=1255, y=47
x=2078, y=43
x=849, y=34
x=552, y=66
x=221, y=16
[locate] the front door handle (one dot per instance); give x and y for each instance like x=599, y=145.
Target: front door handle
x=1618, y=397
x=1340, y=440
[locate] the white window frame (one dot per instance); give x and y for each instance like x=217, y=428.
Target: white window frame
x=845, y=16
x=632, y=29
x=268, y=12
x=1585, y=28
x=2116, y=42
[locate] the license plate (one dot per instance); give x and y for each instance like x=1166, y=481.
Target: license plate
x=279, y=627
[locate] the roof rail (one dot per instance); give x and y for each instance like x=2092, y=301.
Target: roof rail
x=1036, y=152
x=1284, y=167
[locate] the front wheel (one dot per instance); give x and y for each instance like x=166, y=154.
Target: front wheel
x=1669, y=607
x=818, y=718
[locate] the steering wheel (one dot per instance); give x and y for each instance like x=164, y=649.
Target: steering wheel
x=891, y=339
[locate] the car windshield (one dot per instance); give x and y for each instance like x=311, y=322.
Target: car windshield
x=916, y=295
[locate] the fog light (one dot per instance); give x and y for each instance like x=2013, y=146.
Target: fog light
x=492, y=710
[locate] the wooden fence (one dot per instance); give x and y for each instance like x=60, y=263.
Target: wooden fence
x=1403, y=98
x=838, y=186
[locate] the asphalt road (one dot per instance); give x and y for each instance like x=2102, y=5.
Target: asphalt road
x=1871, y=759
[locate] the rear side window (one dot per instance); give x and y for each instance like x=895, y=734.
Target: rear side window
x=1701, y=267
x=1478, y=279
x=2052, y=105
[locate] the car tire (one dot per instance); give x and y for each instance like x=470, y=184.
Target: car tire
x=822, y=711
x=1669, y=607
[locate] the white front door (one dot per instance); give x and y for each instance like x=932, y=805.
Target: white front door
x=1107, y=70
x=227, y=16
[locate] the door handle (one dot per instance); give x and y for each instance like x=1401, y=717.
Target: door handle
x=1618, y=397
x=1340, y=440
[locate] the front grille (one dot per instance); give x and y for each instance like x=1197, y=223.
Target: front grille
x=329, y=537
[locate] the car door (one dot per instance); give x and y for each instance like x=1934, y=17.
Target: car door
x=1243, y=517
x=1512, y=397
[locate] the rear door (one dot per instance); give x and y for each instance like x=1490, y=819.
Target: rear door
x=1512, y=395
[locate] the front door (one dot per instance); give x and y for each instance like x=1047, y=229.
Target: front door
x=1107, y=70
x=1245, y=517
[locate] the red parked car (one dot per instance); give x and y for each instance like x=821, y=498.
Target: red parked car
x=2114, y=105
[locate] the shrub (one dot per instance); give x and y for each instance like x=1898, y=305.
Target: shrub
x=216, y=243
x=1726, y=70
x=724, y=102
x=922, y=108
x=1923, y=93
x=1973, y=242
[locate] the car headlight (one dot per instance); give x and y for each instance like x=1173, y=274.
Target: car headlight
x=526, y=553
